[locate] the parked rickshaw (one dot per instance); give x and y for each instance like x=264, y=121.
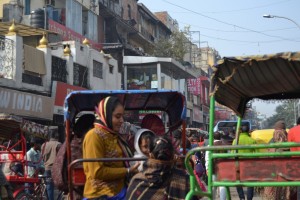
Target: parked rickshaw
x=13, y=156
x=172, y=104
x=236, y=81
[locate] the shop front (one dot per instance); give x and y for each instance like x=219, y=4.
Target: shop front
x=27, y=112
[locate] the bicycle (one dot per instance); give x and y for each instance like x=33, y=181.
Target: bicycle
x=38, y=192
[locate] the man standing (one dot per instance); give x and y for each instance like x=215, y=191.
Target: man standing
x=245, y=139
x=49, y=151
x=35, y=163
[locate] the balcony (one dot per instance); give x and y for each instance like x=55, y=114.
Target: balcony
x=7, y=59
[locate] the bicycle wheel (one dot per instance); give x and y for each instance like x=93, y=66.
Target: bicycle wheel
x=60, y=196
x=24, y=196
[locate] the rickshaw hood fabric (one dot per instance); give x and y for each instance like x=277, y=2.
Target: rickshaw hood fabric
x=237, y=80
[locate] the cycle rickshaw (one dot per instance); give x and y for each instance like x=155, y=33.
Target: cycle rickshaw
x=236, y=81
x=13, y=155
x=171, y=104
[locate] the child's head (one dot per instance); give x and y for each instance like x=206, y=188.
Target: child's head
x=145, y=142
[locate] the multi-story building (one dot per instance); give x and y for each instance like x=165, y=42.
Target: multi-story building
x=34, y=80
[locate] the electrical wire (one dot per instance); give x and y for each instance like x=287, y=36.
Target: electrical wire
x=230, y=24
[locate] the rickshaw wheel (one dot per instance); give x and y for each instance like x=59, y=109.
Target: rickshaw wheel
x=23, y=196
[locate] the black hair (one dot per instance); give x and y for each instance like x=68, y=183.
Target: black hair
x=177, y=134
x=83, y=124
x=54, y=133
x=245, y=128
x=298, y=121
x=217, y=135
x=162, y=148
x=145, y=136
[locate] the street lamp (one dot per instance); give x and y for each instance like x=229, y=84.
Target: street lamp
x=275, y=16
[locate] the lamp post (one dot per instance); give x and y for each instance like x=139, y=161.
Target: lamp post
x=275, y=16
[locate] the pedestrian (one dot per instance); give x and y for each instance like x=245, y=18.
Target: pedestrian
x=222, y=190
x=35, y=162
x=49, y=152
x=245, y=139
x=106, y=179
x=294, y=136
x=278, y=193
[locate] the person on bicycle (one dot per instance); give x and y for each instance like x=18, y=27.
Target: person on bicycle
x=49, y=152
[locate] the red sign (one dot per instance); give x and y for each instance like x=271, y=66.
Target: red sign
x=59, y=92
x=70, y=35
x=194, y=86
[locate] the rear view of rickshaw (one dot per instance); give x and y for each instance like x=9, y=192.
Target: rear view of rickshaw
x=171, y=105
x=234, y=82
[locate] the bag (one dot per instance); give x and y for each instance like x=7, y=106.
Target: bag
x=58, y=172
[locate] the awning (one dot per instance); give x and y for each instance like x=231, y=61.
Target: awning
x=12, y=124
x=23, y=30
x=237, y=80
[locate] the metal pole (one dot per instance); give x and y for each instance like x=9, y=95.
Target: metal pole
x=275, y=16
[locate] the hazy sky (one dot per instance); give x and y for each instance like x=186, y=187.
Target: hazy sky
x=236, y=27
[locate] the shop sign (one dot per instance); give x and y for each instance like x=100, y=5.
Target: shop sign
x=197, y=115
x=194, y=86
x=59, y=92
x=70, y=35
x=25, y=104
x=143, y=113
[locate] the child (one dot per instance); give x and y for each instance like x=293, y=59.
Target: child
x=142, y=142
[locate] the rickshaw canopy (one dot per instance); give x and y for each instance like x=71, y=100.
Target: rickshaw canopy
x=237, y=80
x=172, y=102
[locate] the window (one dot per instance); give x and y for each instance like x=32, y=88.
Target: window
x=80, y=75
x=129, y=12
x=97, y=69
x=111, y=69
x=27, y=7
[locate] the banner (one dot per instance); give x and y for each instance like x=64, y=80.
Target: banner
x=59, y=92
x=70, y=35
x=194, y=86
x=25, y=104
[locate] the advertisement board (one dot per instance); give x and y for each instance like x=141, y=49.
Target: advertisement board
x=25, y=104
x=194, y=86
x=59, y=91
x=70, y=35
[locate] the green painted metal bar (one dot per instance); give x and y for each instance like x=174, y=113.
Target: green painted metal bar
x=237, y=131
x=255, y=155
x=211, y=142
x=255, y=183
x=255, y=146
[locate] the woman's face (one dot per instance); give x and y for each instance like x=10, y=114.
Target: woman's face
x=117, y=118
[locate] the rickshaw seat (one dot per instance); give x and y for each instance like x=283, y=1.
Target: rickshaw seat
x=21, y=179
x=270, y=169
x=78, y=177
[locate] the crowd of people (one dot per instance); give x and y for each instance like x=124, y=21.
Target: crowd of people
x=159, y=175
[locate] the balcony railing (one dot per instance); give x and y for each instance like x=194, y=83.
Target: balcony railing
x=59, y=69
x=6, y=58
x=80, y=76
